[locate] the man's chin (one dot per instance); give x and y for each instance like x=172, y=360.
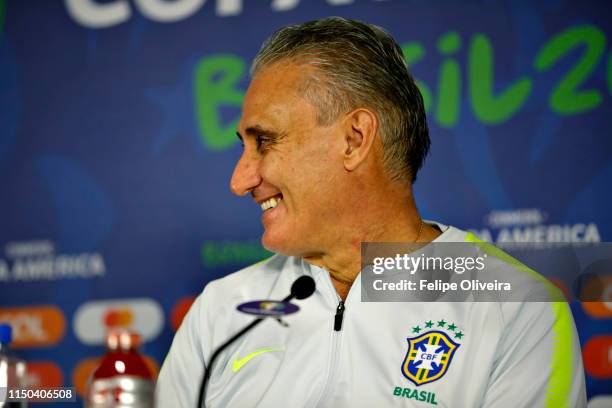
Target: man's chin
x=277, y=245
x=272, y=246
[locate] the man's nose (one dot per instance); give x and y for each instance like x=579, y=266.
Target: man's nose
x=246, y=175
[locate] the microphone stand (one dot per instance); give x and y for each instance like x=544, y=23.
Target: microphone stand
x=208, y=369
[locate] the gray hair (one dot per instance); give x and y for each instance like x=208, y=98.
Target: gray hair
x=357, y=65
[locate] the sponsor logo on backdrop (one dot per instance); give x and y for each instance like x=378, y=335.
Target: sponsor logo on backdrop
x=31, y=261
x=598, y=287
x=597, y=355
x=35, y=326
x=179, y=311
x=94, y=319
x=83, y=370
x=118, y=317
x=530, y=225
x=44, y=374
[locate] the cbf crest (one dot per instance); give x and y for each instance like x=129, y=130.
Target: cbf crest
x=431, y=352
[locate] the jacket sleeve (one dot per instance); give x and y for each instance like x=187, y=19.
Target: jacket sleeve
x=538, y=362
x=179, y=379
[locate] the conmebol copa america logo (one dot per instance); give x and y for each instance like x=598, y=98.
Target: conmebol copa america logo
x=93, y=319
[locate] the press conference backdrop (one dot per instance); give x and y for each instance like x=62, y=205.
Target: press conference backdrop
x=117, y=142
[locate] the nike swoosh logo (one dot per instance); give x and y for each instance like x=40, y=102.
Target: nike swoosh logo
x=239, y=363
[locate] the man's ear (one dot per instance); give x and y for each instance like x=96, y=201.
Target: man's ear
x=361, y=127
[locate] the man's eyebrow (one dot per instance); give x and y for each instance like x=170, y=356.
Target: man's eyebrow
x=255, y=131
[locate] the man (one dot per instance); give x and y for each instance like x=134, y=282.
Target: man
x=334, y=133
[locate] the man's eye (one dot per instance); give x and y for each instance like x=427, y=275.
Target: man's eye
x=262, y=142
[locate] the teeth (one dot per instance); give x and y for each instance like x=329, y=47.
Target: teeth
x=270, y=203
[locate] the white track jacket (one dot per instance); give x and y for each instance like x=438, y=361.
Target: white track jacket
x=461, y=354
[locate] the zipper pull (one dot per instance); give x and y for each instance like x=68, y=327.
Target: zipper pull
x=339, y=315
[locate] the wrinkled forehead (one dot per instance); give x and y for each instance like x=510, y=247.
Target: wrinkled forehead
x=275, y=97
x=282, y=79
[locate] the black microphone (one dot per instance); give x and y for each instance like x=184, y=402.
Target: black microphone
x=303, y=287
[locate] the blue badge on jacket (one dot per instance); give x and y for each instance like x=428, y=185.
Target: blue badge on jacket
x=268, y=308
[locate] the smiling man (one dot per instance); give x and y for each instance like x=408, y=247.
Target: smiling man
x=334, y=134
x=318, y=179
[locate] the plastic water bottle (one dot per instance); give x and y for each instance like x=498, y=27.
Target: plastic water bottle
x=123, y=379
x=12, y=371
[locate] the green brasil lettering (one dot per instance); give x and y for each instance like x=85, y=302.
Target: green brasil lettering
x=489, y=108
x=447, y=109
x=566, y=99
x=216, y=80
x=230, y=253
x=414, y=52
x=424, y=396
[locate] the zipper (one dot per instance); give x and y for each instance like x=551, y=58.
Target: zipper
x=336, y=345
x=336, y=339
x=339, y=316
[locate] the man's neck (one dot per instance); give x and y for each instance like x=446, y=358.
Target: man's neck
x=344, y=262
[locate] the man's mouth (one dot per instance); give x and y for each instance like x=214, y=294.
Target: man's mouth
x=271, y=202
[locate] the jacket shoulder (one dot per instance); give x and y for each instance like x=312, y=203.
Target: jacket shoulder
x=254, y=281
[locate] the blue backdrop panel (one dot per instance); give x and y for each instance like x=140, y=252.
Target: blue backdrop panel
x=117, y=142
